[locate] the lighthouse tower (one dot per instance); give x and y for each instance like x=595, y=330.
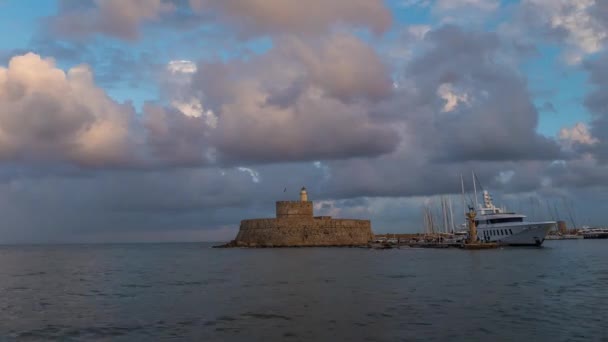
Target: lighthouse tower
x=303, y=195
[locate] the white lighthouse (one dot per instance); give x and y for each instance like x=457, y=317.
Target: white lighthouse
x=303, y=195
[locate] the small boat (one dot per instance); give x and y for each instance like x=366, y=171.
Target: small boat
x=595, y=233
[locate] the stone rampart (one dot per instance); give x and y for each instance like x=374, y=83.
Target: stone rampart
x=294, y=209
x=300, y=232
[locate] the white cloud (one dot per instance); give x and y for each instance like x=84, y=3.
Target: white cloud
x=579, y=134
x=452, y=97
x=194, y=108
x=505, y=177
x=48, y=113
x=180, y=75
x=418, y=31
x=181, y=66
x=255, y=176
x=574, y=19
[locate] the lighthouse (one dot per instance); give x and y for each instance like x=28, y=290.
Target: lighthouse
x=303, y=195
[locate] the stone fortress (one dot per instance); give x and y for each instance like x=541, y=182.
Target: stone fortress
x=296, y=226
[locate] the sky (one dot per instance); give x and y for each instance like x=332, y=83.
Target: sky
x=172, y=120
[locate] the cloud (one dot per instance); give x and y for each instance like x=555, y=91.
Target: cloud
x=466, y=12
x=452, y=98
x=579, y=134
x=48, y=114
x=123, y=19
x=115, y=18
x=227, y=136
x=458, y=107
x=303, y=100
x=596, y=102
x=321, y=113
x=261, y=17
x=581, y=24
x=483, y=5
x=492, y=116
x=174, y=139
x=181, y=67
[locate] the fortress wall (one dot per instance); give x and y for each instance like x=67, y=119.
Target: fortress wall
x=289, y=232
x=294, y=209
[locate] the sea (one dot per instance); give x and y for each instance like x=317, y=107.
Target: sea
x=192, y=292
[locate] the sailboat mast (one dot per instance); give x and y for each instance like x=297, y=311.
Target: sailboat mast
x=475, y=190
x=444, y=204
x=464, y=203
x=451, y=216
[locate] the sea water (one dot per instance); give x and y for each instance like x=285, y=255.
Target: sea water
x=191, y=292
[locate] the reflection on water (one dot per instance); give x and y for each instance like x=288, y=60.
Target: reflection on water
x=193, y=292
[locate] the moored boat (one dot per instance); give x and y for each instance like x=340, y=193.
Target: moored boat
x=507, y=228
x=595, y=233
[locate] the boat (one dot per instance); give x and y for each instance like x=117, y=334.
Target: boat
x=506, y=228
x=572, y=237
x=595, y=233
x=563, y=237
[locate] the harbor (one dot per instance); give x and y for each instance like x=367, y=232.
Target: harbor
x=486, y=226
x=468, y=240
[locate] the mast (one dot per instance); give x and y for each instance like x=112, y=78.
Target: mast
x=444, y=212
x=464, y=203
x=426, y=220
x=570, y=214
x=475, y=190
x=451, y=216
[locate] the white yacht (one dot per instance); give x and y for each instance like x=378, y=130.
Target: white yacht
x=496, y=225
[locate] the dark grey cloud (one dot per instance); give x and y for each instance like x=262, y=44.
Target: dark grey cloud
x=174, y=139
x=471, y=104
x=597, y=103
x=107, y=204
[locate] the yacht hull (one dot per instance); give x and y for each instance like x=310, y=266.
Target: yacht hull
x=523, y=234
